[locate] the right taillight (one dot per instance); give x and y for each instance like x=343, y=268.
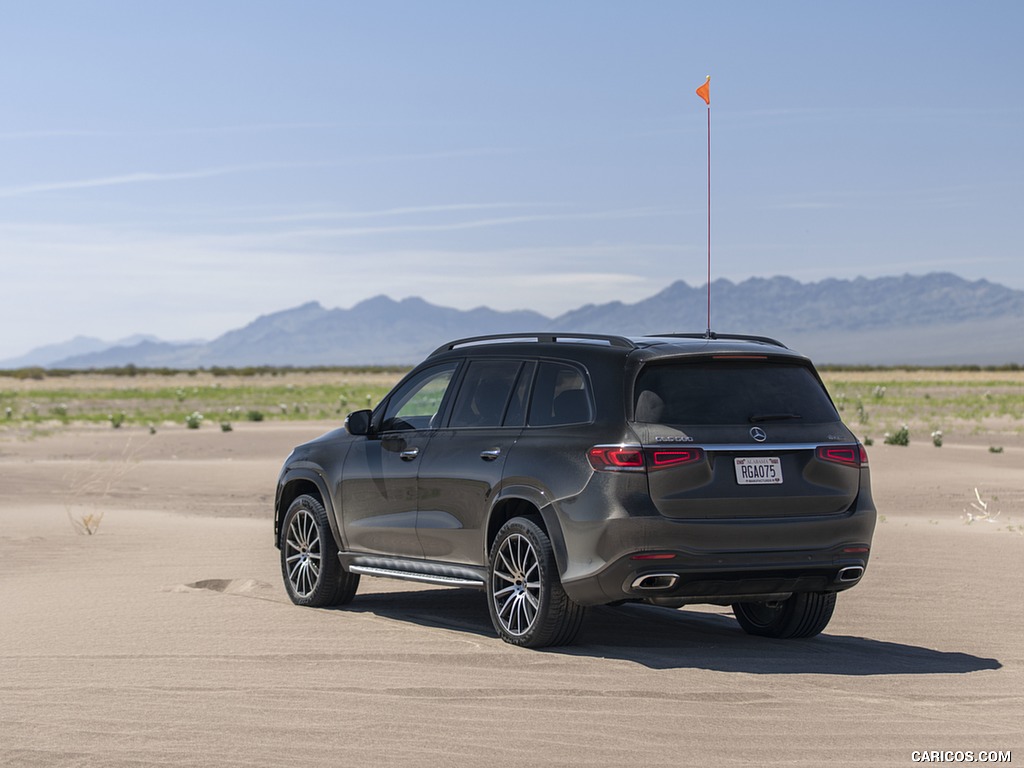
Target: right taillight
x=848, y=455
x=663, y=458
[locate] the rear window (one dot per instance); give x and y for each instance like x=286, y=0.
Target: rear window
x=730, y=392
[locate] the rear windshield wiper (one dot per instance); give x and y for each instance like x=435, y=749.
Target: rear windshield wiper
x=762, y=417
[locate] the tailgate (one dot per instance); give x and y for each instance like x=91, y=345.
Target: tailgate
x=779, y=480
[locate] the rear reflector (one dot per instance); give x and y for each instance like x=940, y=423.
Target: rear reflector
x=654, y=556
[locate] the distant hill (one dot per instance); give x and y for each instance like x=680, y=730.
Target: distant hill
x=933, y=319
x=378, y=331
x=785, y=305
x=80, y=345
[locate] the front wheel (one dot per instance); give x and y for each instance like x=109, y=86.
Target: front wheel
x=804, y=614
x=527, y=603
x=313, y=575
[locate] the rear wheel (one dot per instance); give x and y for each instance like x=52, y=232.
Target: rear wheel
x=527, y=603
x=805, y=614
x=313, y=575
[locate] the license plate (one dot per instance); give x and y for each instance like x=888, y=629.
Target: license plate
x=758, y=470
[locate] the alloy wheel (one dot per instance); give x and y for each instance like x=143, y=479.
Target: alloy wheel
x=302, y=553
x=516, y=584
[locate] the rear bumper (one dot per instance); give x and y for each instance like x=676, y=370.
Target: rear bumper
x=722, y=577
x=717, y=561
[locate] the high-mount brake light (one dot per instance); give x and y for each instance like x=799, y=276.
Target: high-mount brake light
x=616, y=457
x=849, y=455
x=739, y=357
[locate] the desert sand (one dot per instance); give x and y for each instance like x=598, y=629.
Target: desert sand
x=166, y=638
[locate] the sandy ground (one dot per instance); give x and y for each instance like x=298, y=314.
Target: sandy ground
x=167, y=638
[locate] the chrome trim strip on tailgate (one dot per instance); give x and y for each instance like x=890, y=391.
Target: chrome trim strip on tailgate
x=749, y=447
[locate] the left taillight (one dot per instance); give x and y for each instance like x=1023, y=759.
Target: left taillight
x=849, y=455
x=617, y=458
x=635, y=458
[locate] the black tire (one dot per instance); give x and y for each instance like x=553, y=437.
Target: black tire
x=528, y=605
x=805, y=614
x=312, y=573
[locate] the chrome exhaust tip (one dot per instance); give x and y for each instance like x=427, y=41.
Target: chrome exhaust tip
x=655, y=582
x=850, y=573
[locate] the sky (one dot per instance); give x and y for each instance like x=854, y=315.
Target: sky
x=179, y=169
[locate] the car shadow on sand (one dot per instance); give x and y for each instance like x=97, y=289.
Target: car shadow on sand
x=660, y=638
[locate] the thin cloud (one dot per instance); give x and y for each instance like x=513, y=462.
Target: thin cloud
x=892, y=198
x=215, y=130
x=56, y=133
x=500, y=221
x=144, y=177
x=386, y=212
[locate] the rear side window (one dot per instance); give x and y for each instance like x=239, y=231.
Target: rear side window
x=560, y=396
x=730, y=392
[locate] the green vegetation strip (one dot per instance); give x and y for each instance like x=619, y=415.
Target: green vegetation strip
x=873, y=401
x=155, y=397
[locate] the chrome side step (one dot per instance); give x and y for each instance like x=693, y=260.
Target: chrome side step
x=426, y=578
x=411, y=569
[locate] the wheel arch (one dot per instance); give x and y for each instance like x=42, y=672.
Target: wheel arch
x=300, y=482
x=528, y=506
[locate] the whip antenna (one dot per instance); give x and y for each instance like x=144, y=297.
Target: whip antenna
x=704, y=92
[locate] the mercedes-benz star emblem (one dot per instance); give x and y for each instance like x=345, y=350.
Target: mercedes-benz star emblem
x=758, y=434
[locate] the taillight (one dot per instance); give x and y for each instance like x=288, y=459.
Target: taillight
x=611, y=458
x=616, y=457
x=661, y=458
x=849, y=455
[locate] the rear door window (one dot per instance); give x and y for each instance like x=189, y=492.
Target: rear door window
x=484, y=394
x=515, y=415
x=714, y=392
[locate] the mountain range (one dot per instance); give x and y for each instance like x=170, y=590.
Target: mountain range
x=933, y=319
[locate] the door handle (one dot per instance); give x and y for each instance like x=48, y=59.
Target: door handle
x=409, y=454
x=490, y=455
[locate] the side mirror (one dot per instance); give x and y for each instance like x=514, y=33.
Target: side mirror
x=358, y=422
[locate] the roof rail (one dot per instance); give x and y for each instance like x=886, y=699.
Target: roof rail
x=549, y=338
x=727, y=336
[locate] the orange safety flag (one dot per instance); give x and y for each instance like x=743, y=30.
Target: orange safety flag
x=704, y=91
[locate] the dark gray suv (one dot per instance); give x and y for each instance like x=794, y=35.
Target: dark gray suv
x=560, y=471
